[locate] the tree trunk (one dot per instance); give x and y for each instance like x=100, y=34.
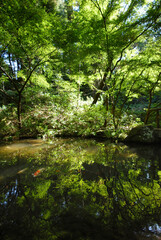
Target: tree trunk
x=19, y=113
x=149, y=106
x=95, y=99
x=157, y=119
x=101, y=86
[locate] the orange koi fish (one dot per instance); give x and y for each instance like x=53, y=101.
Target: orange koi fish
x=35, y=174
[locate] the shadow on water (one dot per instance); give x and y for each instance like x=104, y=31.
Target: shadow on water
x=79, y=189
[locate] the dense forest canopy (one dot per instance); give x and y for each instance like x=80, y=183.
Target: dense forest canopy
x=78, y=67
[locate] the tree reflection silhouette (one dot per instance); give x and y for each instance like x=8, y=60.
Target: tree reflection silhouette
x=106, y=193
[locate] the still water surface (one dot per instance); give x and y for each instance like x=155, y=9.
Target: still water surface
x=80, y=190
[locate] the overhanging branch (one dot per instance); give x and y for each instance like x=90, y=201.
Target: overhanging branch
x=9, y=77
x=40, y=62
x=131, y=42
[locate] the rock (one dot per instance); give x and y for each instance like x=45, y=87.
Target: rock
x=142, y=134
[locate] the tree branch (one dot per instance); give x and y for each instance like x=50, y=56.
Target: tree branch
x=33, y=69
x=6, y=94
x=10, y=78
x=122, y=51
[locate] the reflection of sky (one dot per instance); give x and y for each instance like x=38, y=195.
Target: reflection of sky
x=155, y=228
x=13, y=192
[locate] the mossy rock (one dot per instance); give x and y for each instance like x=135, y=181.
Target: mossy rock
x=142, y=134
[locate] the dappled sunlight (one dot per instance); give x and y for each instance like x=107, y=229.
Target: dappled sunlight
x=80, y=79
x=27, y=146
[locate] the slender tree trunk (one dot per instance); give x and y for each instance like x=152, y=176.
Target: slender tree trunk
x=19, y=113
x=157, y=119
x=113, y=111
x=149, y=106
x=106, y=103
x=4, y=101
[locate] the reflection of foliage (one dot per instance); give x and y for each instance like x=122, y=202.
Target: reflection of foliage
x=85, y=192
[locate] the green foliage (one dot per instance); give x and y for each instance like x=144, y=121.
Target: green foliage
x=8, y=122
x=61, y=118
x=50, y=50
x=93, y=121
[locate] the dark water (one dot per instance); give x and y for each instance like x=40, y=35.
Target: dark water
x=79, y=190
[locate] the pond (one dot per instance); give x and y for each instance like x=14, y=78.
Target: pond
x=79, y=189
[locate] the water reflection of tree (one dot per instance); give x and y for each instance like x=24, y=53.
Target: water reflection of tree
x=106, y=194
